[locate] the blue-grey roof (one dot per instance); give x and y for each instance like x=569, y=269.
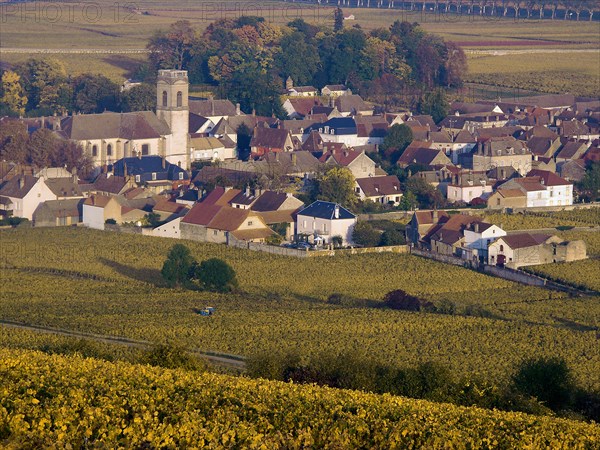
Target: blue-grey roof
x=146, y=166
x=325, y=210
x=340, y=125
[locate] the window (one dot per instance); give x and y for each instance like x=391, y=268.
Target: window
x=501, y=247
x=179, y=99
x=498, y=201
x=249, y=223
x=137, y=178
x=153, y=176
x=109, y=150
x=324, y=228
x=181, y=175
x=551, y=193
x=215, y=232
x=145, y=149
x=164, y=98
x=94, y=150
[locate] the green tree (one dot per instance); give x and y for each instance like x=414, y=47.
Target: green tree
x=214, y=274
x=46, y=84
x=95, y=94
x=547, y=379
x=364, y=234
x=589, y=186
x=337, y=185
x=427, y=196
x=14, y=141
x=396, y=141
x=338, y=19
x=297, y=58
x=244, y=135
x=392, y=237
x=139, y=98
x=435, y=104
x=177, y=268
x=13, y=97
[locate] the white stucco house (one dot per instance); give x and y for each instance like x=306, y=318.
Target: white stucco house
x=23, y=194
x=543, y=188
x=479, y=235
x=326, y=220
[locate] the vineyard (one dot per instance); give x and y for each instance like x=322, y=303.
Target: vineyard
x=109, y=284
x=70, y=402
x=585, y=273
x=538, y=220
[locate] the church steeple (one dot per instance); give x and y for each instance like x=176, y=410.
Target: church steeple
x=172, y=89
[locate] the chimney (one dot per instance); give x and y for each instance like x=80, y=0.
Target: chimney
x=336, y=211
x=435, y=216
x=21, y=182
x=476, y=227
x=125, y=170
x=247, y=191
x=294, y=159
x=253, y=112
x=479, y=148
x=164, y=162
x=238, y=110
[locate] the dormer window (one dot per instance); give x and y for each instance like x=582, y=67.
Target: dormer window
x=153, y=176
x=181, y=175
x=137, y=178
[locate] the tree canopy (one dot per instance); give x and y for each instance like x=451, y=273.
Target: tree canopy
x=214, y=274
x=177, y=269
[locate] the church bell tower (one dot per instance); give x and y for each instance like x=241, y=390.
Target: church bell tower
x=172, y=89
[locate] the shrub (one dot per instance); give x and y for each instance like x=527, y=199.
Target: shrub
x=337, y=241
x=392, y=237
x=171, y=356
x=547, y=379
x=110, y=222
x=399, y=299
x=446, y=307
x=364, y=234
x=214, y=274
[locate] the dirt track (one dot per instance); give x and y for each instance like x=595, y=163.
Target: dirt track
x=233, y=361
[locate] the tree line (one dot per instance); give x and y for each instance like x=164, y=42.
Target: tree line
x=42, y=88
x=248, y=59
x=42, y=148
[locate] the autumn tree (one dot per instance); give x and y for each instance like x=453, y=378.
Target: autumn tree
x=13, y=97
x=172, y=49
x=14, y=141
x=71, y=155
x=42, y=148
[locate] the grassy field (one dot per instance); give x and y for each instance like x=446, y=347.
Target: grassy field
x=109, y=284
x=117, y=29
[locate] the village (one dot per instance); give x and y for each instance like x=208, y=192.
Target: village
x=179, y=172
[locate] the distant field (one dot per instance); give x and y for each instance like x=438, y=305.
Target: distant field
x=118, y=29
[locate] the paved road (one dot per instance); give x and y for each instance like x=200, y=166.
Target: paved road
x=232, y=361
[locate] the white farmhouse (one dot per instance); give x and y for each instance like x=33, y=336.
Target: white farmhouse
x=326, y=220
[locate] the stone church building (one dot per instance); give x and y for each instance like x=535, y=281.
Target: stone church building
x=110, y=136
